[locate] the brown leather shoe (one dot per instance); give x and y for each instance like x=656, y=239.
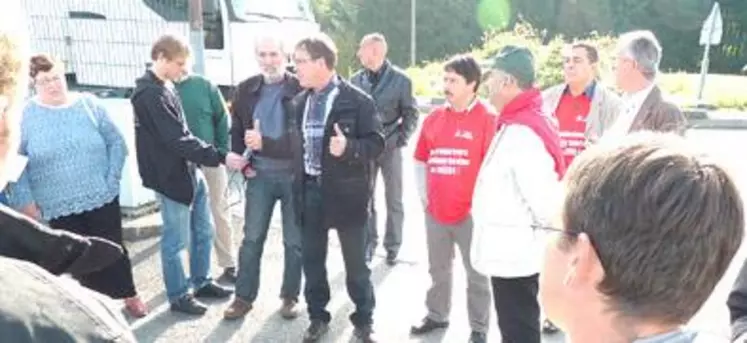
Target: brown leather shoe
x=238, y=309
x=288, y=310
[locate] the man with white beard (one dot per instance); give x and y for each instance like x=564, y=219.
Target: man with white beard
x=260, y=126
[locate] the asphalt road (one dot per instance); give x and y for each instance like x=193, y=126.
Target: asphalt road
x=400, y=290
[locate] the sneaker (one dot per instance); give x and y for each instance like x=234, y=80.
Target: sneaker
x=364, y=333
x=213, y=291
x=478, y=337
x=316, y=330
x=189, y=305
x=229, y=275
x=288, y=310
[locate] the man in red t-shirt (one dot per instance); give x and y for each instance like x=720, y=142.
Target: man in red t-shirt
x=449, y=153
x=584, y=109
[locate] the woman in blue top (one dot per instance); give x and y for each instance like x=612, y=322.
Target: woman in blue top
x=75, y=159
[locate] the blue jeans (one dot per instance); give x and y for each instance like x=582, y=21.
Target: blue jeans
x=188, y=227
x=262, y=192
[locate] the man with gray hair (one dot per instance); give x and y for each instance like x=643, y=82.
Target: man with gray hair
x=391, y=89
x=260, y=124
x=71, y=313
x=644, y=108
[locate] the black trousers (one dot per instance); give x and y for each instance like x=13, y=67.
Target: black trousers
x=518, y=309
x=357, y=274
x=116, y=280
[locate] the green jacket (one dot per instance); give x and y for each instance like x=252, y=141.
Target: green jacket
x=205, y=111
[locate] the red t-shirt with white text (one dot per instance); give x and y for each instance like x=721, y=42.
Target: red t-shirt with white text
x=453, y=146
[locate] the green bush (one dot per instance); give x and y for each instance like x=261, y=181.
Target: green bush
x=724, y=91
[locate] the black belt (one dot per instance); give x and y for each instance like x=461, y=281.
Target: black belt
x=317, y=179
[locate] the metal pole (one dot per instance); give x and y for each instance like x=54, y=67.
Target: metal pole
x=413, y=37
x=705, y=62
x=197, y=36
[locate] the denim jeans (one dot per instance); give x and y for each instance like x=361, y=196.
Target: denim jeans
x=357, y=274
x=188, y=227
x=262, y=192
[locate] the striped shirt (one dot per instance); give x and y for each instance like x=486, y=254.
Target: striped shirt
x=318, y=106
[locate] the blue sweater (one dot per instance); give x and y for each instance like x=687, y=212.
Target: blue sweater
x=75, y=158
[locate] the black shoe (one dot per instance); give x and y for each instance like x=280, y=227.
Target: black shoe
x=229, y=275
x=548, y=327
x=189, y=305
x=316, y=330
x=214, y=291
x=364, y=333
x=427, y=326
x=391, y=259
x=478, y=337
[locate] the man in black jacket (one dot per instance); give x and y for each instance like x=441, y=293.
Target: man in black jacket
x=391, y=89
x=260, y=123
x=337, y=139
x=168, y=157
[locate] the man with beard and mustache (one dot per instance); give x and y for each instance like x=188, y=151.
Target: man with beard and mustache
x=36, y=306
x=266, y=98
x=448, y=155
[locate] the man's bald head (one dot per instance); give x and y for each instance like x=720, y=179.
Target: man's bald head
x=372, y=50
x=13, y=79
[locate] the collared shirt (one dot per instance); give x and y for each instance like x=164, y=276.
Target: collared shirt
x=571, y=113
x=450, y=107
x=375, y=76
x=318, y=106
x=677, y=336
x=632, y=103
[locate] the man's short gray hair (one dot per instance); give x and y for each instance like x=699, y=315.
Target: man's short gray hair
x=374, y=37
x=643, y=47
x=272, y=37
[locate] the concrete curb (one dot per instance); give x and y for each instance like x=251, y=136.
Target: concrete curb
x=141, y=222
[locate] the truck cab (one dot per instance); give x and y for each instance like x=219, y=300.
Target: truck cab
x=106, y=43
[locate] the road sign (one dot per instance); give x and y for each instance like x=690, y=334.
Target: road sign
x=713, y=27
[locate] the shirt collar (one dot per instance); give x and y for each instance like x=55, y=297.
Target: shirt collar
x=588, y=91
x=469, y=107
x=329, y=87
x=641, y=95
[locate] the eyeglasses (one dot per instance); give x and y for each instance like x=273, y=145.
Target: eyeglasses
x=43, y=81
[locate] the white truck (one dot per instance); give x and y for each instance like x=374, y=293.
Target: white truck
x=106, y=44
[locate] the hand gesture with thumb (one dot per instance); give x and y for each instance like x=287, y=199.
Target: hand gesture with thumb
x=338, y=142
x=253, y=137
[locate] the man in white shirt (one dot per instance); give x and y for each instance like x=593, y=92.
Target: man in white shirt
x=644, y=108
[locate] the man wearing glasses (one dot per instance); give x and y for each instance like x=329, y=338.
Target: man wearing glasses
x=513, y=191
x=647, y=229
x=338, y=138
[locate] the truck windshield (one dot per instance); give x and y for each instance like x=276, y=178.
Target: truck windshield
x=273, y=9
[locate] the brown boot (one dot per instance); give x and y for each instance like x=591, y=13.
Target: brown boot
x=239, y=308
x=288, y=310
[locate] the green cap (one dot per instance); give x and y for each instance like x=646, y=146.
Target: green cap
x=513, y=60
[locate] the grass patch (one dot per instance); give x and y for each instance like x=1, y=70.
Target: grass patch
x=722, y=91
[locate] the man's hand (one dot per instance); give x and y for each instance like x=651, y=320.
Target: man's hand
x=338, y=142
x=235, y=161
x=253, y=137
x=32, y=211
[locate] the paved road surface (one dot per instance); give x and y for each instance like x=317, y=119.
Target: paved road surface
x=400, y=290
